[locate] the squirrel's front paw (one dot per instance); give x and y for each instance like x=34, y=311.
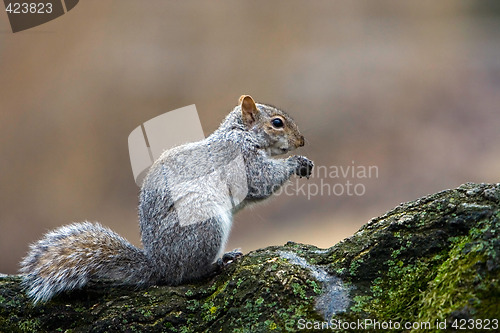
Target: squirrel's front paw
x=304, y=166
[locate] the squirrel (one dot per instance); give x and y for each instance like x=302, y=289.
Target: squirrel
x=186, y=205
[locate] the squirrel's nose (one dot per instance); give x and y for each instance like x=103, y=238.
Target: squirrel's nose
x=301, y=141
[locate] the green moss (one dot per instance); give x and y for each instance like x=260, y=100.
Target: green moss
x=315, y=286
x=146, y=313
x=461, y=283
x=271, y=325
x=340, y=271
x=29, y=325
x=220, y=289
x=353, y=268
x=450, y=290
x=361, y=303
x=298, y=290
x=208, y=311
x=395, y=297
x=193, y=304
x=259, y=301
x=453, y=282
x=185, y=329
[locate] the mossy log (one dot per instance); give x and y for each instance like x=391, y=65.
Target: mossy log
x=435, y=260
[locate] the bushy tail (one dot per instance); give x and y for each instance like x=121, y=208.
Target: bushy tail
x=68, y=257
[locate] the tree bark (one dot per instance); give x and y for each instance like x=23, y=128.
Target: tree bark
x=434, y=260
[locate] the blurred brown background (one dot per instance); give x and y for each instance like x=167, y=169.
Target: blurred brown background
x=410, y=87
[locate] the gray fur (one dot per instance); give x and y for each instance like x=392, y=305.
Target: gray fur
x=186, y=206
x=56, y=262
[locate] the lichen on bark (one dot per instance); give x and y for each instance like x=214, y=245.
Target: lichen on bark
x=432, y=259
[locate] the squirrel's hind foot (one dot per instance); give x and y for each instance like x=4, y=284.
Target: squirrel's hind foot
x=229, y=257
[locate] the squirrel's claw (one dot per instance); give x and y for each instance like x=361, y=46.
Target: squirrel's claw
x=229, y=257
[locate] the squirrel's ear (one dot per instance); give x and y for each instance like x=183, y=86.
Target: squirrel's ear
x=249, y=111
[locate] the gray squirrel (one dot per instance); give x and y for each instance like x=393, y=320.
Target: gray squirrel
x=186, y=205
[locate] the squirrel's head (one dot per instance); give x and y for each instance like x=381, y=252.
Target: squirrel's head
x=275, y=131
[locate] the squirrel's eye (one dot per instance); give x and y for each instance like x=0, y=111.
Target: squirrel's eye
x=277, y=122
